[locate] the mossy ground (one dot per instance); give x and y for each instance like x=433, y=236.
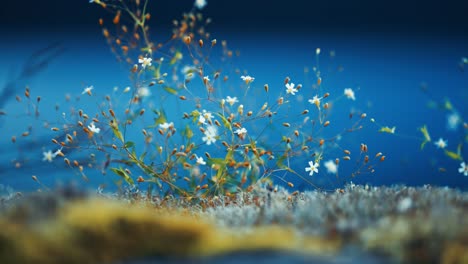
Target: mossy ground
x=412, y=225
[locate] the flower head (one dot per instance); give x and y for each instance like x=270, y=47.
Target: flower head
x=315, y=101
x=93, y=128
x=143, y=91
x=349, y=93
x=441, y=143
x=145, y=62
x=200, y=161
x=331, y=166
x=241, y=132
x=463, y=169
x=48, y=156
x=453, y=120
x=247, y=79
x=290, y=89
x=313, y=167
x=200, y=4
x=211, y=133
x=88, y=90
x=231, y=100
x=166, y=125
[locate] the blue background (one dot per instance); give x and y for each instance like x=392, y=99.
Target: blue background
x=388, y=49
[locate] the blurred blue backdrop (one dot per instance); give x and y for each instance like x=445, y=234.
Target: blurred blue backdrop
x=387, y=50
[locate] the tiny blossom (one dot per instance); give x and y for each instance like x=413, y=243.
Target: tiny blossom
x=331, y=166
x=453, y=120
x=441, y=143
x=93, y=128
x=247, y=79
x=231, y=100
x=144, y=92
x=200, y=4
x=166, y=125
x=313, y=167
x=210, y=135
x=290, y=89
x=315, y=101
x=241, y=131
x=145, y=62
x=349, y=93
x=200, y=161
x=88, y=90
x=463, y=169
x=48, y=156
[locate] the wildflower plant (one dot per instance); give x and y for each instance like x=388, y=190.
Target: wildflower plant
x=192, y=124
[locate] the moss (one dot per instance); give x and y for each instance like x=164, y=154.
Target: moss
x=104, y=231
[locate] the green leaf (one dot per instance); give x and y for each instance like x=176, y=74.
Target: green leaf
x=225, y=121
x=121, y=172
x=170, y=90
x=129, y=144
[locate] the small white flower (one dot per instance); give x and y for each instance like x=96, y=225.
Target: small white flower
x=93, y=128
x=210, y=135
x=441, y=143
x=166, y=125
x=315, y=101
x=206, y=79
x=145, y=62
x=247, y=79
x=463, y=169
x=241, y=132
x=231, y=100
x=331, y=166
x=313, y=167
x=290, y=89
x=202, y=120
x=143, y=91
x=200, y=4
x=48, y=156
x=317, y=51
x=88, y=90
x=200, y=161
x=453, y=120
x=349, y=93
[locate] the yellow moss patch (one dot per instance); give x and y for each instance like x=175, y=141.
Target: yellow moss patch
x=102, y=231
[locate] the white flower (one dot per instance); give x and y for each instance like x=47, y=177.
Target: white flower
x=202, y=120
x=200, y=161
x=313, y=167
x=206, y=79
x=231, y=100
x=453, y=120
x=331, y=166
x=463, y=169
x=143, y=91
x=315, y=101
x=290, y=89
x=145, y=62
x=93, y=128
x=166, y=125
x=441, y=143
x=241, y=132
x=88, y=90
x=200, y=4
x=247, y=79
x=349, y=93
x=48, y=156
x=210, y=135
